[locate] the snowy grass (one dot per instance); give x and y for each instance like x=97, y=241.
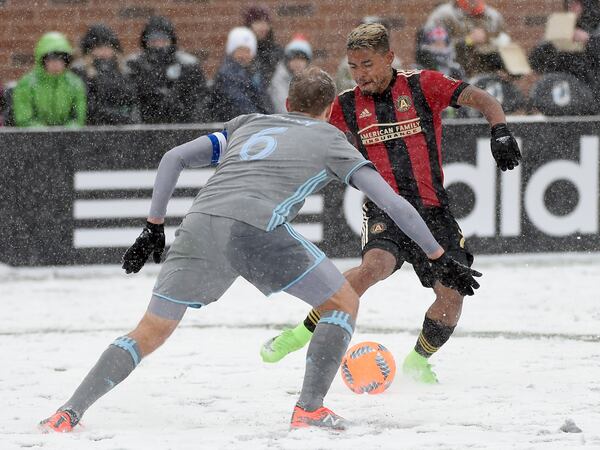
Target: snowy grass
x=524, y=359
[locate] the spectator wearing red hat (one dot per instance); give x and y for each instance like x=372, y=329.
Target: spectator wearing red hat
x=297, y=56
x=268, y=52
x=476, y=30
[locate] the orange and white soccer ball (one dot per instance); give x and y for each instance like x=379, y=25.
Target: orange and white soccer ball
x=368, y=367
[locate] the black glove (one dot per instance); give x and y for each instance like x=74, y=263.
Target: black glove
x=454, y=275
x=150, y=241
x=504, y=147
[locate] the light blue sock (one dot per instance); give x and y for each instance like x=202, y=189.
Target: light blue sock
x=327, y=347
x=114, y=365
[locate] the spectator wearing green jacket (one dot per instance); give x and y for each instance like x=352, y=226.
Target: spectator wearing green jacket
x=50, y=94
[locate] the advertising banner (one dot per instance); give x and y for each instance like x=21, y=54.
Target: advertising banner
x=81, y=197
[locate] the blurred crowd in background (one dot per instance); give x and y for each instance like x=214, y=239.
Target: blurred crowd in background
x=96, y=84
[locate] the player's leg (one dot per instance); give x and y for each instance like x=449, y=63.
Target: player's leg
x=114, y=365
x=379, y=261
x=440, y=320
x=442, y=316
x=283, y=260
x=193, y=275
x=376, y=265
x=324, y=355
x=439, y=323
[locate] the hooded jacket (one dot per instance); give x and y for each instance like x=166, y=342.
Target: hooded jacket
x=42, y=99
x=112, y=98
x=170, y=84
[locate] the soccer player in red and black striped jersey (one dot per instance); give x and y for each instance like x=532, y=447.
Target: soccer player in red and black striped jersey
x=394, y=119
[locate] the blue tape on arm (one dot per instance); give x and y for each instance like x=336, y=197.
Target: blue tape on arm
x=216, y=153
x=219, y=145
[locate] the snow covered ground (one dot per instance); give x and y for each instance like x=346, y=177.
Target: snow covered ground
x=525, y=359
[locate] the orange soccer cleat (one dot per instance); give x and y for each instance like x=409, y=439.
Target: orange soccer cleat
x=321, y=417
x=60, y=422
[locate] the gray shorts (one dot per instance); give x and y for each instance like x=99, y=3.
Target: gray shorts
x=210, y=252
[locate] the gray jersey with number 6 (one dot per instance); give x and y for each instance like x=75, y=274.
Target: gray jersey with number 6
x=271, y=164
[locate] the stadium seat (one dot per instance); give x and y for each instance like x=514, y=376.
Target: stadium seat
x=561, y=94
x=509, y=96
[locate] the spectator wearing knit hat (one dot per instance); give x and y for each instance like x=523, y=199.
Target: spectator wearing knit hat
x=170, y=83
x=435, y=52
x=268, y=52
x=297, y=56
x=112, y=98
x=238, y=89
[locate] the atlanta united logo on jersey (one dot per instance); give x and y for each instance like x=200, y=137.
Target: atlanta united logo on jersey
x=403, y=103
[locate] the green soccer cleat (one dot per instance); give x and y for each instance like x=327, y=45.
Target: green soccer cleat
x=288, y=341
x=418, y=368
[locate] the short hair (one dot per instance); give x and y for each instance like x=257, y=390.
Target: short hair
x=373, y=36
x=311, y=91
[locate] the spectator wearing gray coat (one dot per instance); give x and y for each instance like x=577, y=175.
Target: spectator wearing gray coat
x=297, y=57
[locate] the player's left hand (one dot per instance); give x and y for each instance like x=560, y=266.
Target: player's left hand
x=455, y=275
x=505, y=148
x=151, y=241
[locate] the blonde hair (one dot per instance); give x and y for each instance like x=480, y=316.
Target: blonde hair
x=311, y=91
x=373, y=36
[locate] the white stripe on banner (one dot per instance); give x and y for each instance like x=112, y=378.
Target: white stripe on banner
x=124, y=237
x=135, y=179
x=112, y=237
x=178, y=207
x=123, y=208
x=313, y=205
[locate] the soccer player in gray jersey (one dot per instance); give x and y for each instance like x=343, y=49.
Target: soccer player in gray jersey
x=239, y=226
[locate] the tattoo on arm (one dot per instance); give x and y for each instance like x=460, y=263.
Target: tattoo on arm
x=479, y=99
x=466, y=97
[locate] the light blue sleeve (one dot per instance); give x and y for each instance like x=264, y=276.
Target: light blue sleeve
x=201, y=152
x=343, y=159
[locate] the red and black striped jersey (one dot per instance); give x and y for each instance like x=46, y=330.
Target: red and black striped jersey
x=400, y=131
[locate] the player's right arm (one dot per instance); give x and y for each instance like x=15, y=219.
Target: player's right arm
x=201, y=152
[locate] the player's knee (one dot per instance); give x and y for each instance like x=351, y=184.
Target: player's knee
x=447, y=295
x=377, y=265
x=152, y=332
x=345, y=299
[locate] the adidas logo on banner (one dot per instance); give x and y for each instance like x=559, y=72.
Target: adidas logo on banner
x=365, y=113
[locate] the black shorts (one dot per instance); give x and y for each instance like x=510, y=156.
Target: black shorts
x=379, y=231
